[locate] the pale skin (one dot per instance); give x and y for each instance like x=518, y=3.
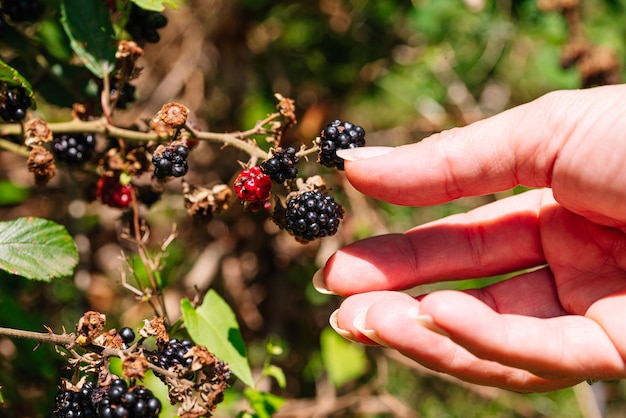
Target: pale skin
x=561, y=321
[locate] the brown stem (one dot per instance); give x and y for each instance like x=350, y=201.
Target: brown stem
x=42, y=337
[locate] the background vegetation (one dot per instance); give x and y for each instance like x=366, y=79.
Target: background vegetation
x=402, y=70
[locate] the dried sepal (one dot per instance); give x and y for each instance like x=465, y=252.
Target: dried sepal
x=287, y=109
x=41, y=163
x=203, y=202
x=154, y=327
x=90, y=326
x=172, y=114
x=36, y=132
x=109, y=339
x=134, y=366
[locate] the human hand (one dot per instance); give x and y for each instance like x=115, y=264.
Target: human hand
x=550, y=327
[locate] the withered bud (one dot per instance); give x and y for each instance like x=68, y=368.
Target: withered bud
x=36, y=132
x=202, y=202
x=110, y=339
x=287, y=108
x=202, y=357
x=134, y=366
x=154, y=327
x=41, y=163
x=91, y=324
x=126, y=49
x=172, y=114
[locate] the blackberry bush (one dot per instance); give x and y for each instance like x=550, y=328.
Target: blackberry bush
x=338, y=135
x=14, y=102
x=170, y=160
x=282, y=165
x=112, y=193
x=312, y=214
x=73, y=148
x=142, y=24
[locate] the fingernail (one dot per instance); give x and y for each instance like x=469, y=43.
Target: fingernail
x=362, y=153
x=359, y=324
x=334, y=325
x=427, y=322
x=318, y=283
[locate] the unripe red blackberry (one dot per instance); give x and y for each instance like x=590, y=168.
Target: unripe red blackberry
x=253, y=187
x=14, y=102
x=73, y=148
x=282, y=165
x=338, y=135
x=112, y=193
x=312, y=214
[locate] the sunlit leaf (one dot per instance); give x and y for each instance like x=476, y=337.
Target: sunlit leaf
x=214, y=325
x=156, y=5
x=264, y=404
x=344, y=361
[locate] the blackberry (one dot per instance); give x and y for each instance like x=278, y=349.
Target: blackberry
x=13, y=104
x=173, y=353
x=124, y=96
x=170, y=160
x=120, y=400
x=338, y=135
x=73, y=149
x=70, y=403
x=282, y=165
x=253, y=187
x=142, y=24
x=127, y=334
x=23, y=10
x=112, y=193
x=312, y=214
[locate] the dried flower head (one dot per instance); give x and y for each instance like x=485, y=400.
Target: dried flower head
x=172, y=114
x=41, y=163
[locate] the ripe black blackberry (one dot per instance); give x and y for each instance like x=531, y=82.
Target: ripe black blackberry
x=127, y=334
x=73, y=149
x=119, y=400
x=338, y=135
x=312, y=214
x=14, y=102
x=75, y=403
x=142, y=24
x=124, y=96
x=282, y=165
x=170, y=160
x=173, y=353
x=23, y=10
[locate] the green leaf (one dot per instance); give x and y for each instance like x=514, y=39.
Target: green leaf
x=36, y=249
x=264, y=404
x=89, y=27
x=12, y=77
x=11, y=194
x=156, y=5
x=344, y=361
x=214, y=325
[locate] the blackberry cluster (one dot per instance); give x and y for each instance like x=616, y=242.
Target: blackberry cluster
x=23, y=10
x=173, y=353
x=73, y=149
x=143, y=24
x=339, y=135
x=170, y=161
x=312, y=214
x=282, y=165
x=112, y=193
x=119, y=400
x=76, y=404
x=13, y=104
x=124, y=96
x=253, y=187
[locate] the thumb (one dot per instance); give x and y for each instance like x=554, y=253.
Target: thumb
x=550, y=142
